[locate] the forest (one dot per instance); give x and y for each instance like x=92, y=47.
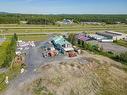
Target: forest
x=51, y=19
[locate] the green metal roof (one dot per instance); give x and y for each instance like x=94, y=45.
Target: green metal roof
x=60, y=40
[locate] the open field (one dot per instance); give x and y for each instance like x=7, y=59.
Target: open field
x=3, y=50
x=33, y=37
x=63, y=28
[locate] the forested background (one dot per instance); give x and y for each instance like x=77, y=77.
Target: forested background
x=51, y=19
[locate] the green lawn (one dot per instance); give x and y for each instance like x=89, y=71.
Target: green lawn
x=63, y=28
x=33, y=37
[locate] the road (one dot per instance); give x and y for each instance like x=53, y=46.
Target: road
x=110, y=46
x=39, y=33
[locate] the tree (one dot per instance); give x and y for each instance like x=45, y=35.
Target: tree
x=15, y=37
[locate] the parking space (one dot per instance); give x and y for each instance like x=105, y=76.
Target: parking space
x=109, y=46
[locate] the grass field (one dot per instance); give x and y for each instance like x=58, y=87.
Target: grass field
x=11, y=28
x=12, y=72
x=33, y=37
x=3, y=51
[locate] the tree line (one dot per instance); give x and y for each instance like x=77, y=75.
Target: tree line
x=10, y=51
x=51, y=19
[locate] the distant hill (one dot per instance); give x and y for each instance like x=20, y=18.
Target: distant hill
x=7, y=13
x=4, y=13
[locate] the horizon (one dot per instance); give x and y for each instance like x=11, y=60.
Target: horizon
x=64, y=7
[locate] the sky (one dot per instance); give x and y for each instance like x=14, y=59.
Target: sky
x=64, y=6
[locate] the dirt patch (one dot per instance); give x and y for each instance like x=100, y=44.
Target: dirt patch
x=80, y=79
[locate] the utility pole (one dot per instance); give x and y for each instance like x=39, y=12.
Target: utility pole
x=4, y=34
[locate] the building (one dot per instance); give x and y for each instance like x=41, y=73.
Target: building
x=82, y=37
x=65, y=22
x=94, y=23
x=23, y=22
x=112, y=35
x=47, y=46
x=100, y=38
x=62, y=44
x=97, y=37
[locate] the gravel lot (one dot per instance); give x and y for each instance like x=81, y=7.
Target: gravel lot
x=34, y=60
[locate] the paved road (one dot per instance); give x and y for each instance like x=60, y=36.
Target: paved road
x=110, y=46
x=41, y=33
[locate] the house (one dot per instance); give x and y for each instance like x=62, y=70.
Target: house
x=65, y=22
x=23, y=22
x=62, y=44
x=94, y=23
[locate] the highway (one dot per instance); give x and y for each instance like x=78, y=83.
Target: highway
x=39, y=33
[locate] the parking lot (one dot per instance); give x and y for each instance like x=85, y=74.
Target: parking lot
x=109, y=46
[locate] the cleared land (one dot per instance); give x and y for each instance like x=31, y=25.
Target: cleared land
x=99, y=76
x=63, y=28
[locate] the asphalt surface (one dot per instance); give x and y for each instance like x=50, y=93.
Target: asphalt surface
x=110, y=46
x=41, y=33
